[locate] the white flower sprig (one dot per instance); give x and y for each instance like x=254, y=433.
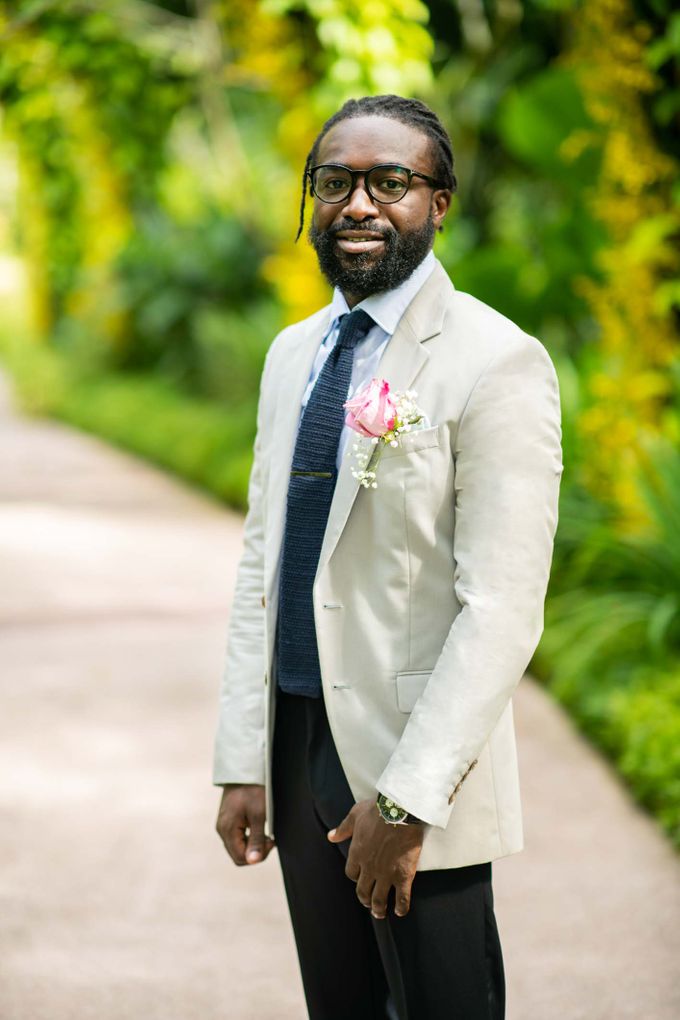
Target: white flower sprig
x=382, y=417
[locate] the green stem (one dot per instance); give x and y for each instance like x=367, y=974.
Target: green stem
x=375, y=457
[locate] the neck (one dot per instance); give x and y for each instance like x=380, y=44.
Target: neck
x=353, y=299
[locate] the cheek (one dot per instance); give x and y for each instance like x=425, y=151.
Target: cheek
x=323, y=215
x=406, y=217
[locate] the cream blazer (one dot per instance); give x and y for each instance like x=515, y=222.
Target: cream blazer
x=429, y=594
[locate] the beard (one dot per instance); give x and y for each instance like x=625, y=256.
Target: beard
x=367, y=272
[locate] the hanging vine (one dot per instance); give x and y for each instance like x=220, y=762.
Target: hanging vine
x=629, y=391
x=89, y=113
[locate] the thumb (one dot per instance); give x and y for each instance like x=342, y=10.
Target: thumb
x=343, y=831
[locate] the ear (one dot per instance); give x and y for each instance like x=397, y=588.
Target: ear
x=441, y=201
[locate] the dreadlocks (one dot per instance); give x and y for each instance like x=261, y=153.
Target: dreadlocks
x=407, y=111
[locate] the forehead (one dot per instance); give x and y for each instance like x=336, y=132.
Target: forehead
x=360, y=142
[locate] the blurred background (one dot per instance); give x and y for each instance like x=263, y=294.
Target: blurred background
x=150, y=170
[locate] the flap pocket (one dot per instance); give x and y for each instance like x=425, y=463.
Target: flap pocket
x=410, y=685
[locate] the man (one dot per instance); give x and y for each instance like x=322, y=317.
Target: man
x=377, y=634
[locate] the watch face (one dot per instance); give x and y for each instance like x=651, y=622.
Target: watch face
x=390, y=811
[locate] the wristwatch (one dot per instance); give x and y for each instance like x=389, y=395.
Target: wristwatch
x=393, y=814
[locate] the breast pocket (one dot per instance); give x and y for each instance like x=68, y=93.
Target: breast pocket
x=412, y=442
x=410, y=685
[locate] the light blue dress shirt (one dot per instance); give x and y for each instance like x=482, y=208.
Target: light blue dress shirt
x=386, y=309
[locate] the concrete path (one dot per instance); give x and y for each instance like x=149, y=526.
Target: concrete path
x=116, y=899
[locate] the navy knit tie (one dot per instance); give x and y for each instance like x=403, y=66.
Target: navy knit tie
x=312, y=483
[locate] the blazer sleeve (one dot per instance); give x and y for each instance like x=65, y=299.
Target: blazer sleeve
x=239, y=742
x=508, y=461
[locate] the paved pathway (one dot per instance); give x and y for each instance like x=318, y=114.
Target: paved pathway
x=116, y=900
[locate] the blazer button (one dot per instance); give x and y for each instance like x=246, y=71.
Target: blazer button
x=460, y=781
x=264, y=602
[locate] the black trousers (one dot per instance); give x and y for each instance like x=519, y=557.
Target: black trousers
x=442, y=961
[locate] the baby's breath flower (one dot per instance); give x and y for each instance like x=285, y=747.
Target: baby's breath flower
x=368, y=449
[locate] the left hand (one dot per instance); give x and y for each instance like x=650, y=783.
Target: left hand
x=380, y=856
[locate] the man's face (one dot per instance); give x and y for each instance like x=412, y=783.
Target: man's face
x=364, y=246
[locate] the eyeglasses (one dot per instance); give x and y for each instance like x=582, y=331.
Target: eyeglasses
x=386, y=183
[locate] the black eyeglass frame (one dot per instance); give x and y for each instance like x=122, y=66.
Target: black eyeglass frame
x=432, y=181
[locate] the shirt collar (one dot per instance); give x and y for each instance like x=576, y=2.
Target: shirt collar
x=387, y=306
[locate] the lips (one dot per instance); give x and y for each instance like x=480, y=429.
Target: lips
x=355, y=242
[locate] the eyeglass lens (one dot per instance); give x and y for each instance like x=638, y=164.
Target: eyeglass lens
x=384, y=183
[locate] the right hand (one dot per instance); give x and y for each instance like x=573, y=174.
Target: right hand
x=240, y=823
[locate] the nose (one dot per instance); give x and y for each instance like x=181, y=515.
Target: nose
x=359, y=205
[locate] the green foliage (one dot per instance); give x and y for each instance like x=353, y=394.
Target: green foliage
x=663, y=57
x=82, y=101
x=536, y=117
x=197, y=307
x=643, y=735
x=206, y=443
x=375, y=47
x=522, y=217
x=611, y=645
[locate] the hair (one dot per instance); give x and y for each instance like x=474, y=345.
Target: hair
x=407, y=111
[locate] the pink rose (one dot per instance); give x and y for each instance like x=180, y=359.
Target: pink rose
x=372, y=411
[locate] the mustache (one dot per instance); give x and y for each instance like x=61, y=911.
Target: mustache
x=368, y=228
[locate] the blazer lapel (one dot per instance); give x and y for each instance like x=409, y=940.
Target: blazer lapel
x=401, y=362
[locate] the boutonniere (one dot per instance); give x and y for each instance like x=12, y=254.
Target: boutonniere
x=381, y=415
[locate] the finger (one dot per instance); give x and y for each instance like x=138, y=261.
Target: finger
x=402, y=903
x=230, y=827
x=255, y=842
x=343, y=831
x=365, y=890
x=234, y=839
x=381, y=891
x=352, y=868
x=269, y=845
